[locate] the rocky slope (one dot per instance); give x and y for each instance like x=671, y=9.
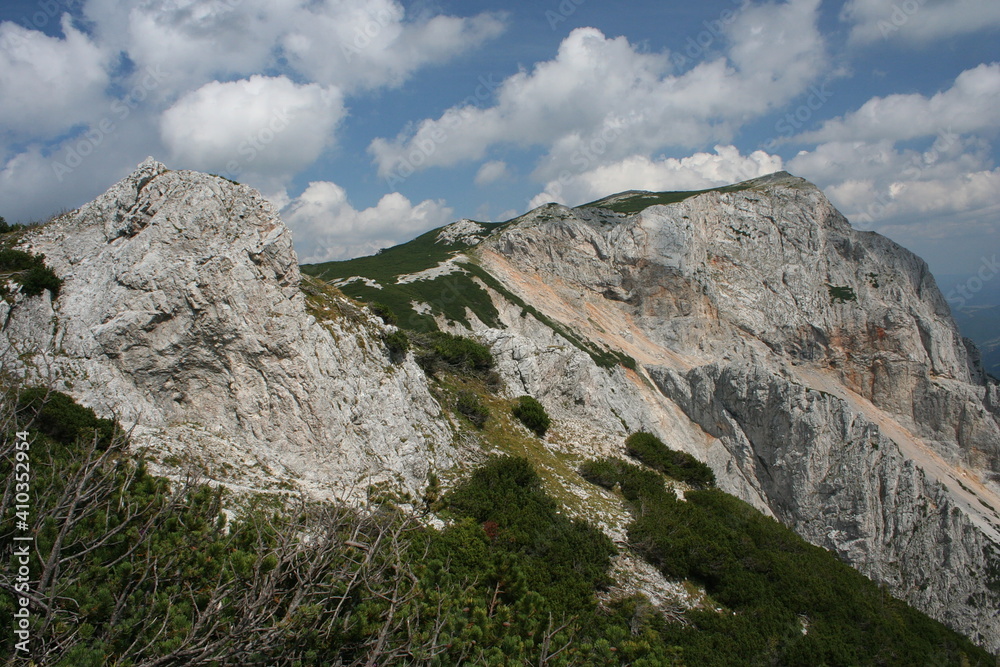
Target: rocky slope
x=814, y=367
x=182, y=313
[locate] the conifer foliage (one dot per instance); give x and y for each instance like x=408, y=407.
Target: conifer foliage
x=784, y=601
x=532, y=414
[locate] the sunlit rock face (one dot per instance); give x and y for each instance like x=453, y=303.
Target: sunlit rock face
x=815, y=367
x=181, y=312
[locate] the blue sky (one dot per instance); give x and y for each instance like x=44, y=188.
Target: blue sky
x=369, y=122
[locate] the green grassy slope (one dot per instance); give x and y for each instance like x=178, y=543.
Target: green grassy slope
x=447, y=295
x=637, y=200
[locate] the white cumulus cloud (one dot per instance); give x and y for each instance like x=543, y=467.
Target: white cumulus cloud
x=368, y=43
x=917, y=168
x=970, y=105
x=492, y=171
x=353, y=44
x=49, y=84
x=327, y=227
x=638, y=172
x=603, y=99
x=918, y=20
x=268, y=126
x=875, y=182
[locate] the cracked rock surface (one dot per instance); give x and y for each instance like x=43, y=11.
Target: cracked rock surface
x=181, y=312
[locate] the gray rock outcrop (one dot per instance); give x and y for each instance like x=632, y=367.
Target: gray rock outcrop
x=182, y=313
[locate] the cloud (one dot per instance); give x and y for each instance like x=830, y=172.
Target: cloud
x=35, y=183
x=910, y=161
x=875, y=182
x=189, y=74
x=268, y=126
x=918, y=20
x=492, y=171
x=326, y=227
x=368, y=43
x=352, y=44
x=942, y=202
x=697, y=172
x=48, y=84
x=970, y=105
x=196, y=42
x=603, y=99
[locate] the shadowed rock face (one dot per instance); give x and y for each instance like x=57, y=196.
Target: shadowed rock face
x=181, y=311
x=818, y=367
x=814, y=367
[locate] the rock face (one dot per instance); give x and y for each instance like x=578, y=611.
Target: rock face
x=815, y=367
x=182, y=312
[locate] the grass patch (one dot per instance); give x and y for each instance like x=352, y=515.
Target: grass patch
x=385, y=266
x=636, y=201
x=500, y=434
x=325, y=302
x=447, y=295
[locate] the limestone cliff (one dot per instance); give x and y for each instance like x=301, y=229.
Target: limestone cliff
x=182, y=313
x=815, y=367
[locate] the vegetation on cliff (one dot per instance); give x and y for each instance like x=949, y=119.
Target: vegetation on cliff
x=134, y=569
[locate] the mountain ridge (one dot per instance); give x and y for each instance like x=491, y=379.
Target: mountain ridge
x=848, y=321
x=815, y=368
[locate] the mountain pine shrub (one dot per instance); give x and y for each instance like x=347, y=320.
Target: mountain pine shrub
x=30, y=271
x=649, y=449
x=397, y=343
x=532, y=414
x=468, y=404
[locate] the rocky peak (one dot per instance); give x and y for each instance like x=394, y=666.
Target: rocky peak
x=182, y=312
x=465, y=232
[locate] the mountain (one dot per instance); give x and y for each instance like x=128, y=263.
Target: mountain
x=816, y=369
